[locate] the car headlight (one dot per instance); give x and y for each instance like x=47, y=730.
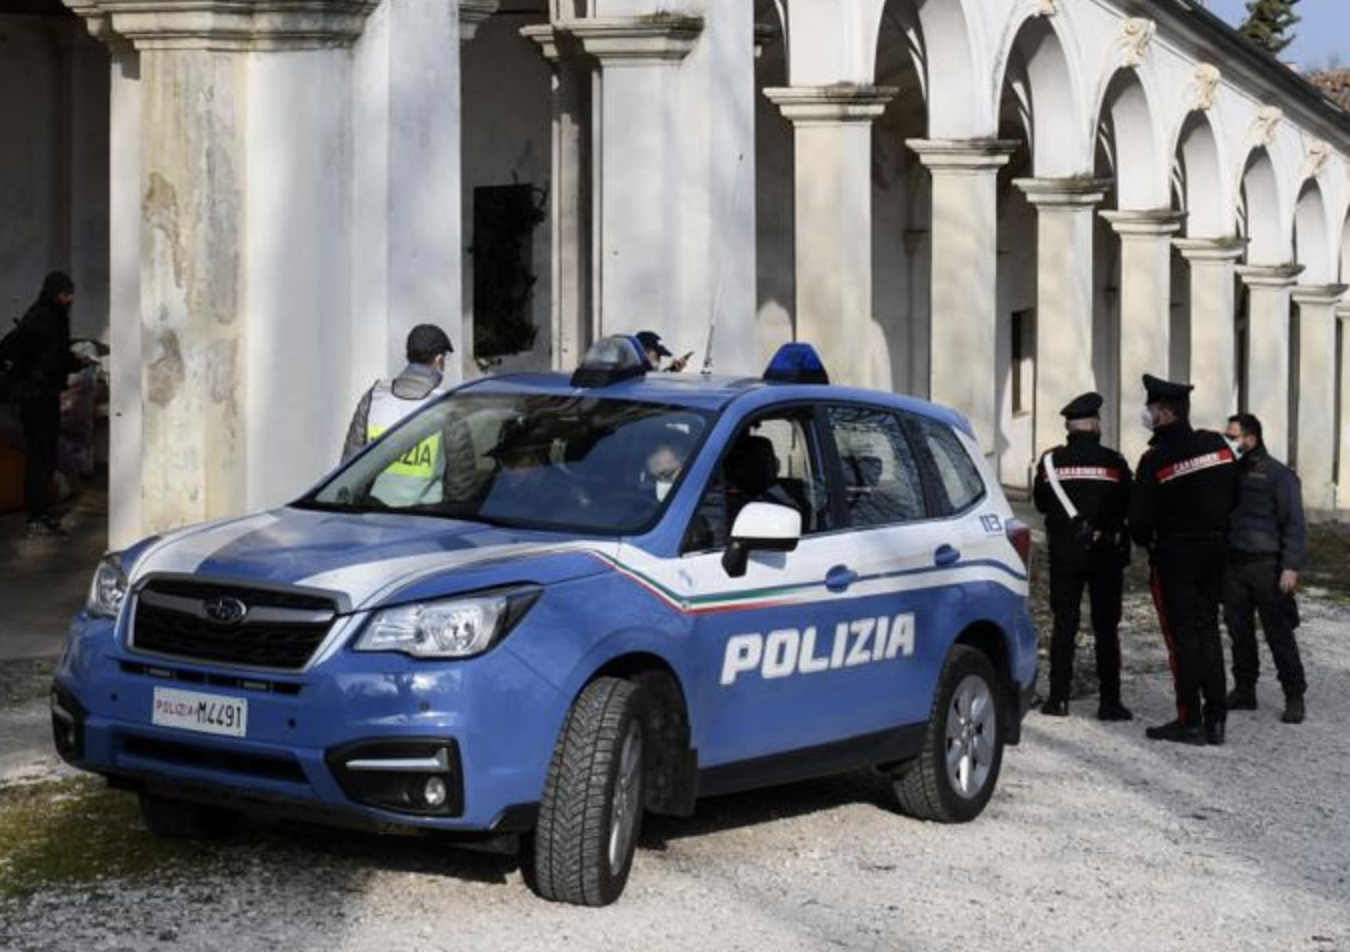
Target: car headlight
x=448, y=628
x=108, y=589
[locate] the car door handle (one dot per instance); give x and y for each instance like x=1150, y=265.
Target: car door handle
x=839, y=578
x=946, y=555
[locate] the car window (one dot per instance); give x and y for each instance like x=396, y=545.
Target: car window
x=957, y=476
x=579, y=464
x=772, y=460
x=881, y=482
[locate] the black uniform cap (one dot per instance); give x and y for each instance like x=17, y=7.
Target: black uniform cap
x=1166, y=390
x=427, y=342
x=1083, y=407
x=650, y=340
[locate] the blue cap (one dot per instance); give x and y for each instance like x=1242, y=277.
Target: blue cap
x=796, y=363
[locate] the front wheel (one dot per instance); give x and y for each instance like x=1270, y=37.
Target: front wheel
x=955, y=775
x=591, y=812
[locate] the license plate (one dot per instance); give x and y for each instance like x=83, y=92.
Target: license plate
x=205, y=713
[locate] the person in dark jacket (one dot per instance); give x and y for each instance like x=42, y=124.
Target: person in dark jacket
x=1184, y=496
x=1088, y=548
x=1267, y=545
x=45, y=363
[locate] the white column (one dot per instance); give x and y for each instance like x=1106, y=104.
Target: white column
x=1343, y=430
x=833, y=226
x=570, y=194
x=243, y=170
x=124, y=299
x=1268, y=288
x=1213, y=327
x=639, y=167
x=1065, y=210
x=407, y=234
x=964, y=314
x=1145, y=309
x=1316, y=436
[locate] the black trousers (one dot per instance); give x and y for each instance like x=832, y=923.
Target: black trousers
x=1073, y=568
x=1252, y=589
x=41, y=419
x=1187, y=581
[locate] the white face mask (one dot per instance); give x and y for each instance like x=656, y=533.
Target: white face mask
x=1235, y=446
x=1146, y=418
x=663, y=489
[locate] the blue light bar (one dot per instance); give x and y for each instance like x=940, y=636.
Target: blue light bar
x=611, y=359
x=796, y=363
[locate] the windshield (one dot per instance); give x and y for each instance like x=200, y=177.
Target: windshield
x=580, y=464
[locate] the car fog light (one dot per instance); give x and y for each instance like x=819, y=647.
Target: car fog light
x=434, y=792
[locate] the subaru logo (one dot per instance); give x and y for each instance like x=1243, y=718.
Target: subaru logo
x=225, y=610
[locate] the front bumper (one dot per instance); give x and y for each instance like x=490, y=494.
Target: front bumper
x=354, y=741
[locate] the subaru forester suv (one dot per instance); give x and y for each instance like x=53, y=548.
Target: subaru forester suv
x=606, y=595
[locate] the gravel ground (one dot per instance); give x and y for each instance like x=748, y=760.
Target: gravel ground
x=1096, y=840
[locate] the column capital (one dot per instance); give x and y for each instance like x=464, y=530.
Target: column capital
x=1211, y=250
x=1275, y=276
x=831, y=105
x=635, y=41
x=227, y=24
x=554, y=45
x=1147, y=223
x=1073, y=192
x=964, y=155
x=1325, y=295
x=473, y=14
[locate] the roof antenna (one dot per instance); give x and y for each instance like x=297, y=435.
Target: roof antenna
x=720, y=283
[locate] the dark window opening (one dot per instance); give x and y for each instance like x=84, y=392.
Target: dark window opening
x=504, y=220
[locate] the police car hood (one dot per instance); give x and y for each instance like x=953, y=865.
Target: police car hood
x=365, y=557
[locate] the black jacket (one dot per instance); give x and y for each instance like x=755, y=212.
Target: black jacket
x=1096, y=480
x=45, y=360
x=1269, y=517
x=1186, y=487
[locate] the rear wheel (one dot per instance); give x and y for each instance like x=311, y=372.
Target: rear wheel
x=954, y=777
x=591, y=812
x=180, y=820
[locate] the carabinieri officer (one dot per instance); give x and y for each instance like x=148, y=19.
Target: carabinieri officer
x=1084, y=490
x=1185, y=492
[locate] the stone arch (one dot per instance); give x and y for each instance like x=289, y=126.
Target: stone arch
x=1125, y=119
x=944, y=47
x=1312, y=241
x=1035, y=62
x=1197, y=164
x=1259, y=210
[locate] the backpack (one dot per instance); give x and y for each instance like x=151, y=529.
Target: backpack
x=12, y=369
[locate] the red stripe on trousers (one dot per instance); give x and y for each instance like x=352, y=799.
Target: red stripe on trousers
x=1155, y=585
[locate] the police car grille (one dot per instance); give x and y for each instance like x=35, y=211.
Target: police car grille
x=168, y=621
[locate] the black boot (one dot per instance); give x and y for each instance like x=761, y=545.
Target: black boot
x=1214, y=734
x=1055, y=708
x=1242, y=698
x=1294, y=711
x=1178, y=732
x=1113, y=710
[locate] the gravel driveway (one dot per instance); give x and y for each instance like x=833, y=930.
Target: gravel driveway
x=1097, y=839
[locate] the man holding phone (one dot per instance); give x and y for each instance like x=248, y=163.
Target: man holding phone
x=655, y=350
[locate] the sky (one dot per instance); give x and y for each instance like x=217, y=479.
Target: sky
x=1323, y=33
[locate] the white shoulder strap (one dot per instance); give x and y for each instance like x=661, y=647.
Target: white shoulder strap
x=1052, y=475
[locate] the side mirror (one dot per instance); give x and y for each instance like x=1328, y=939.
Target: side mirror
x=761, y=527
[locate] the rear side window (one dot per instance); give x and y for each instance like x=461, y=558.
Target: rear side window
x=881, y=484
x=958, y=478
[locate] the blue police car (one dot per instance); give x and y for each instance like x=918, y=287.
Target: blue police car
x=543, y=606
